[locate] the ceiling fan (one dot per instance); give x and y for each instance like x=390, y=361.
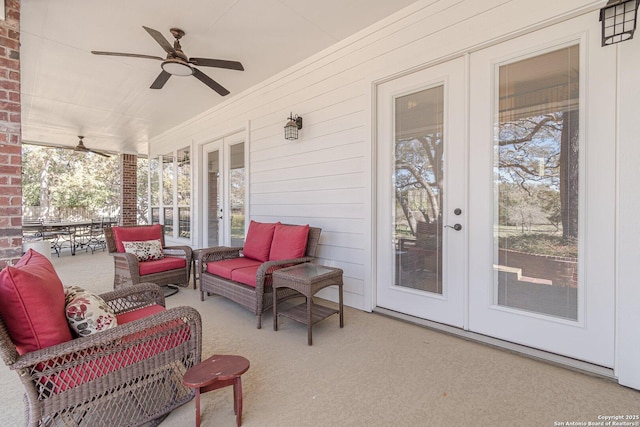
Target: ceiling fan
x=178, y=64
x=81, y=147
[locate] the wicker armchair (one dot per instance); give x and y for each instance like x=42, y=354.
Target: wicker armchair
x=125, y=376
x=127, y=266
x=257, y=299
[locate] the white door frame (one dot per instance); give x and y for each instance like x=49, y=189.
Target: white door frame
x=223, y=145
x=591, y=337
x=448, y=307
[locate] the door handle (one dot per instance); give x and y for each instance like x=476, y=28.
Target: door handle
x=456, y=227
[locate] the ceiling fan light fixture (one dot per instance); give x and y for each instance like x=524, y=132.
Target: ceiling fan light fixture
x=176, y=67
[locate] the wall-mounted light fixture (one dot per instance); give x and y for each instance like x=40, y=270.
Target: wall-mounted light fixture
x=291, y=128
x=618, y=19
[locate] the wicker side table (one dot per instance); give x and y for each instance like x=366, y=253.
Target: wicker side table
x=307, y=279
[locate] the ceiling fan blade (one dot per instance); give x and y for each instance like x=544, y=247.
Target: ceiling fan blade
x=131, y=55
x=162, y=41
x=82, y=148
x=210, y=82
x=89, y=150
x=159, y=82
x=218, y=63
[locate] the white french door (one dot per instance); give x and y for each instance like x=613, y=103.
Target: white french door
x=421, y=188
x=224, y=182
x=531, y=168
x=213, y=232
x=542, y=191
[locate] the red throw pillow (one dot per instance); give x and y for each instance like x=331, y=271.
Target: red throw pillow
x=136, y=234
x=289, y=242
x=32, y=303
x=258, y=242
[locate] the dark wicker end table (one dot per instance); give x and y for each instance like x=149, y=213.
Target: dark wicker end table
x=216, y=372
x=307, y=279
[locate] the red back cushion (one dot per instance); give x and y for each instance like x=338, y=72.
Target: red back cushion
x=32, y=303
x=136, y=234
x=289, y=242
x=258, y=242
x=139, y=313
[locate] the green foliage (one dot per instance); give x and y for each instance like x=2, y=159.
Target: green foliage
x=143, y=190
x=57, y=177
x=540, y=243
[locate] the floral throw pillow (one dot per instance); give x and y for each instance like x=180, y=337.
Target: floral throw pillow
x=145, y=250
x=87, y=313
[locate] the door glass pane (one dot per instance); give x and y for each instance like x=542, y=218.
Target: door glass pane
x=536, y=184
x=155, y=215
x=213, y=197
x=184, y=224
x=154, y=183
x=167, y=192
x=418, y=186
x=236, y=194
x=184, y=192
x=143, y=190
x=167, y=179
x=168, y=221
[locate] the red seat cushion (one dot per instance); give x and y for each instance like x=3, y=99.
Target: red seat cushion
x=246, y=275
x=258, y=242
x=32, y=303
x=160, y=265
x=289, y=242
x=104, y=364
x=136, y=234
x=226, y=267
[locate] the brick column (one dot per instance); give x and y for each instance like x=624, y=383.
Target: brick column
x=10, y=137
x=128, y=189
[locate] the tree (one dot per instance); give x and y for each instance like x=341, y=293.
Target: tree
x=419, y=170
x=143, y=190
x=55, y=178
x=542, y=151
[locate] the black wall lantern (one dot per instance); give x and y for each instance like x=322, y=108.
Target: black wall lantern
x=291, y=128
x=618, y=19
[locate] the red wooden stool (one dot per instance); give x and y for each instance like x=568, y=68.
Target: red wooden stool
x=216, y=372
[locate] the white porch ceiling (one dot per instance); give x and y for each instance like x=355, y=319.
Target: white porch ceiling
x=67, y=91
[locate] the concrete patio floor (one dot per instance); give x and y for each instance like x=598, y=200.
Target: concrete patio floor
x=376, y=371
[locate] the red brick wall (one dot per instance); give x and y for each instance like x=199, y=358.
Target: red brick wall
x=10, y=137
x=562, y=271
x=129, y=189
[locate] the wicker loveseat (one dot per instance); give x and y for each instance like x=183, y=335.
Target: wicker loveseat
x=125, y=375
x=243, y=274
x=174, y=267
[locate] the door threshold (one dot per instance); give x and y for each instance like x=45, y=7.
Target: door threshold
x=545, y=356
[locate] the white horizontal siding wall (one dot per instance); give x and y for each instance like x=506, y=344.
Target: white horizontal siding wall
x=326, y=178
